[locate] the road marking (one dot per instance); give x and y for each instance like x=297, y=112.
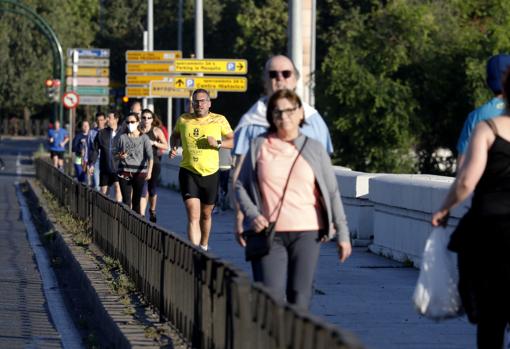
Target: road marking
x=58, y=312
x=19, y=170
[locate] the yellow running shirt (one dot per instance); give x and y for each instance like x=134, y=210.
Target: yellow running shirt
x=197, y=155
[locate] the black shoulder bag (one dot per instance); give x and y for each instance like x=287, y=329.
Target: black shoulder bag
x=259, y=244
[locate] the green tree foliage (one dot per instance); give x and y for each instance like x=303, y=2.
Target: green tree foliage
x=395, y=79
x=398, y=78
x=26, y=57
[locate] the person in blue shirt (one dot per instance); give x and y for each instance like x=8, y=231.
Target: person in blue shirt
x=58, y=138
x=79, y=148
x=496, y=68
x=100, y=124
x=279, y=73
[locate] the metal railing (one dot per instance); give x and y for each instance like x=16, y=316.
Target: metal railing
x=212, y=303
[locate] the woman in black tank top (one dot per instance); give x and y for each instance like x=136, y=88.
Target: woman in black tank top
x=482, y=237
x=150, y=126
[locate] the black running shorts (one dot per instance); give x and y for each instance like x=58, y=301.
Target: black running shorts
x=193, y=185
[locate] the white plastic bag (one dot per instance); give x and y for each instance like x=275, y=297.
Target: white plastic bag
x=436, y=295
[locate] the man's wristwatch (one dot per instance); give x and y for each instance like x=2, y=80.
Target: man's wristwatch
x=219, y=145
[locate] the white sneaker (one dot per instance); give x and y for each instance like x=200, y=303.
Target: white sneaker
x=203, y=248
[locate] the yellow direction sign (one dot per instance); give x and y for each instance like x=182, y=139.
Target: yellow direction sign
x=211, y=66
x=206, y=66
x=217, y=83
x=152, y=55
x=87, y=71
x=165, y=89
x=145, y=79
x=139, y=91
x=149, y=68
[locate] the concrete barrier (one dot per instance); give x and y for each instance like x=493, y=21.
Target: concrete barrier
x=354, y=188
x=403, y=205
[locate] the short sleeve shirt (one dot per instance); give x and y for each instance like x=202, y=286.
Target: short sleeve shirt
x=494, y=107
x=197, y=155
x=58, y=137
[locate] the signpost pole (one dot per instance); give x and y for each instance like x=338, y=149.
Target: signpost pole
x=178, y=103
x=145, y=39
x=150, y=39
x=169, y=119
x=199, y=29
x=296, y=40
x=71, y=111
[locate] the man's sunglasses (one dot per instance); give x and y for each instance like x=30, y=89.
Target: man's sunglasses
x=273, y=74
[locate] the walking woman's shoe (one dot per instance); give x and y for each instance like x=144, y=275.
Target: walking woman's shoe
x=152, y=216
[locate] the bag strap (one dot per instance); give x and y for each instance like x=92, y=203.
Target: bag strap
x=287, y=182
x=492, y=126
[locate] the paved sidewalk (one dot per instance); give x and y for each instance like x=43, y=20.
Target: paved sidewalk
x=24, y=318
x=368, y=295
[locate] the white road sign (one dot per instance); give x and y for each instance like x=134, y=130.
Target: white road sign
x=71, y=100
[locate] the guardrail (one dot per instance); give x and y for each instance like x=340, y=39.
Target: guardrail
x=212, y=303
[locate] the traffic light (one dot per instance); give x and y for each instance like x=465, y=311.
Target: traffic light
x=53, y=89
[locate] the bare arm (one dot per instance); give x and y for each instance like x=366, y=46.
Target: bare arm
x=160, y=141
x=149, y=169
x=470, y=172
x=460, y=161
x=239, y=217
x=227, y=141
x=175, y=140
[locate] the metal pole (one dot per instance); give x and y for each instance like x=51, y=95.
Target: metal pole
x=75, y=58
x=311, y=87
x=179, y=47
x=145, y=40
x=296, y=40
x=150, y=41
x=199, y=29
x=169, y=118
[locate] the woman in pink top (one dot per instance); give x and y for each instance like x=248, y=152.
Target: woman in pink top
x=311, y=211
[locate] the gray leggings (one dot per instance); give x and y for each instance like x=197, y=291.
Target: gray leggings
x=288, y=270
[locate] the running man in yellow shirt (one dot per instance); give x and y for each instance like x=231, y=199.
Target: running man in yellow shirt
x=202, y=134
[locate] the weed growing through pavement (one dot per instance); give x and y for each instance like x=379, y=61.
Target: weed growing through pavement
x=111, y=269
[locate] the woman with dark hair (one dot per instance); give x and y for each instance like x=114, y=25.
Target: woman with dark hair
x=482, y=237
x=136, y=160
x=305, y=213
x=158, y=142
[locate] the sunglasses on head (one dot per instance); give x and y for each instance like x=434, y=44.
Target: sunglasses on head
x=273, y=74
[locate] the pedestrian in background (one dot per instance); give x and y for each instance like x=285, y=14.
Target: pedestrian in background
x=158, y=143
x=306, y=214
x=482, y=237
x=106, y=144
x=279, y=73
x=79, y=149
x=496, y=68
x=136, y=161
x=202, y=134
x=100, y=123
x=222, y=202
x=58, y=138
